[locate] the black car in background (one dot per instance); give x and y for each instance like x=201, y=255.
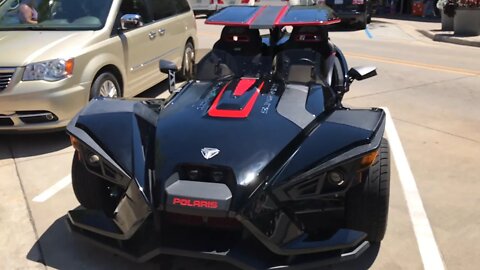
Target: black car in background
x=354, y=12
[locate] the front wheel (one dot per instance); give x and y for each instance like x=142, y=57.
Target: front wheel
x=105, y=85
x=367, y=203
x=91, y=191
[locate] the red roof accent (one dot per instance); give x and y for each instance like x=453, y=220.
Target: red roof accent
x=243, y=85
x=307, y=23
x=243, y=113
x=255, y=16
x=281, y=14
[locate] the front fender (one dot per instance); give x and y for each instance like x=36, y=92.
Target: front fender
x=121, y=132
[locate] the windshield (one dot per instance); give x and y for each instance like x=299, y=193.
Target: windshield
x=292, y=65
x=220, y=64
x=53, y=14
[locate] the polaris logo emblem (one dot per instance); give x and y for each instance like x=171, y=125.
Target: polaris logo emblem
x=209, y=153
x=195, y=203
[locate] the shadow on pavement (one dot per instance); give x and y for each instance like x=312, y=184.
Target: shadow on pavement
x=409, y=18
x=27, y=145
x=61, y=249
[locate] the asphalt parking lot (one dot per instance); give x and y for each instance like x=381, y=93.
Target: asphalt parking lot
x=432, y=91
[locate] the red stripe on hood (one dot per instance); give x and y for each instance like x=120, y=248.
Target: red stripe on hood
x=243, y=113
x=243, y=85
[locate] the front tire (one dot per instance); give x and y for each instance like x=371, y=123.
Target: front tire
x=367, y=203
x=90, y=190
x=105, y=85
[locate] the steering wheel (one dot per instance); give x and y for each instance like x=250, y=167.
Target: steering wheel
x=307, y=60
x=12, y=7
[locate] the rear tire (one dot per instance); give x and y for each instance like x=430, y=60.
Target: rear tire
x=91, y=191
x=362, y=25
x=188, y=63
x=367, y=203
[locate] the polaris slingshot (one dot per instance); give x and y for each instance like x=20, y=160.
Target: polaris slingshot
x=254, y=161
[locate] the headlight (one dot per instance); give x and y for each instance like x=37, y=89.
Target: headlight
x=53, y=70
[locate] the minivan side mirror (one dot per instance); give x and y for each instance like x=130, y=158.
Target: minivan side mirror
x=131, y=21
x=361, y=73
x=169, y=68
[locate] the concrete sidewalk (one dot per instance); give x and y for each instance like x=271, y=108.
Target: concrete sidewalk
x=431, y=28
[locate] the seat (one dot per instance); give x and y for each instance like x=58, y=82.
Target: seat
x=246, y=47
x=307, y=56
x=238, y=52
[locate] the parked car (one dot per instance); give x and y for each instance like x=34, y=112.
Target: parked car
x=73, y=51
x=210, y=6
x=353, y=12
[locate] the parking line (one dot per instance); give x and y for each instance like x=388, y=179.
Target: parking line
x=47, y=194
x=367, y=31
x=413, y=64
x=429, y=252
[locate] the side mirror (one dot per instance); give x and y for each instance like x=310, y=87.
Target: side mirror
x=169, y=68
x=361, y=73
x=131, y=21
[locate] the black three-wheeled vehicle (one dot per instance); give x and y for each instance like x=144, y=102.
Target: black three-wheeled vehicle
x=254, y=161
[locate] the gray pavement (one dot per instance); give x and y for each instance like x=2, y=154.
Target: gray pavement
x=432, y=29
x=433, y=101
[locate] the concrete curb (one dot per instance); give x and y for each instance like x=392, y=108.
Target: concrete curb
x=448, y=38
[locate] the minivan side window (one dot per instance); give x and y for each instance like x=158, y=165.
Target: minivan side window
x=135, y=7
x=182, y=6
x=162, y=9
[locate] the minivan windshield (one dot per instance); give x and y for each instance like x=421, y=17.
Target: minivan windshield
x=53, y=14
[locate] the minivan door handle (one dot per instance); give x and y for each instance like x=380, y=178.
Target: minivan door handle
x=152, y=35
x=162, y=31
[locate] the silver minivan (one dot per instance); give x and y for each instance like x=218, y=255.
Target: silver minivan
x=55, y=55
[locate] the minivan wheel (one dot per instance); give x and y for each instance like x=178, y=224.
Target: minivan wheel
x=188, y=63
x=105, y=85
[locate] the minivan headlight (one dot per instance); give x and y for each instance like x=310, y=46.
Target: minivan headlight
x=52, y=70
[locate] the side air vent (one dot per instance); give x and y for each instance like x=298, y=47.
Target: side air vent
x=308, y=188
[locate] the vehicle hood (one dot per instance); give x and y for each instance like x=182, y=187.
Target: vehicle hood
x=203, y=116
x=20, y=48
